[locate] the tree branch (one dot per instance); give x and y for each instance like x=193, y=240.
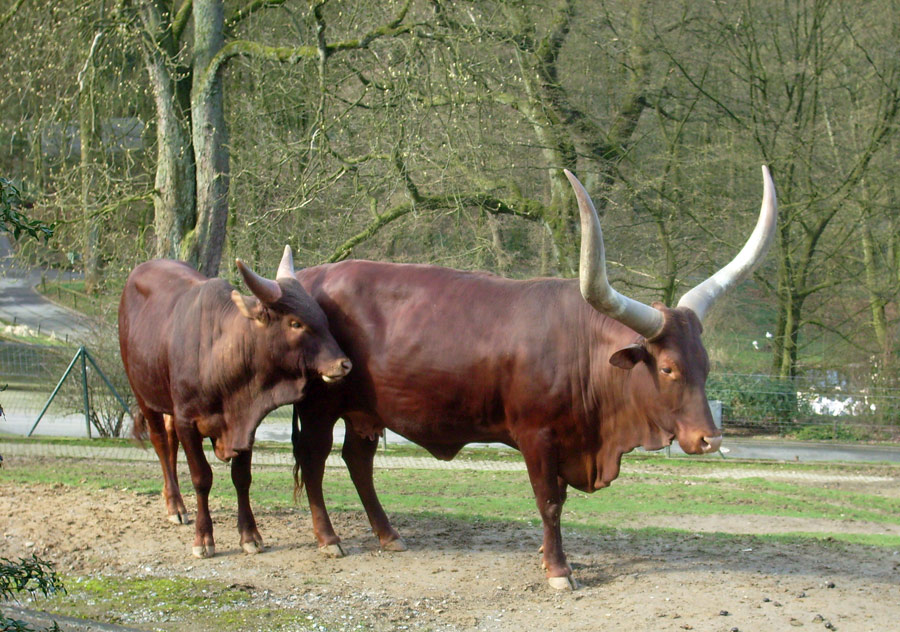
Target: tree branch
x=181, y=19
x=525, y=209
x=294, y=54
x=249, y=9
x=6, y=17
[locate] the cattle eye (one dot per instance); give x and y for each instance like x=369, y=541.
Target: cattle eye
x=296, y=324
x=667, y=370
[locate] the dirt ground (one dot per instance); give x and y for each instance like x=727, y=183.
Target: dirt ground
x=463, y=576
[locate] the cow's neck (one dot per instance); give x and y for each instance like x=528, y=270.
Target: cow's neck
x=254, y=401
x=250, y=390
x=619, y=407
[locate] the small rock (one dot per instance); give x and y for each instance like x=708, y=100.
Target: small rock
x=802, y=595
x=766, y=600
x=724, y=613
x=796, y=623
x=829, y=626
x=818, y=618
x=829, y=585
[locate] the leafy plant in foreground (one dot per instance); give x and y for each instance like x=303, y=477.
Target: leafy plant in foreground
x=16, y=222
x=30, y=575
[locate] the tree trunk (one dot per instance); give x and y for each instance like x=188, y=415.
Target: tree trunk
x=876, y=301
x=210, y=139
x=88, y=134
x=173, y=202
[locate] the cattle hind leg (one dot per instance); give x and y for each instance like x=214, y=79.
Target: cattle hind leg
x=178, y=513
x=161, y=429
x=359, y=455
x=549, y=492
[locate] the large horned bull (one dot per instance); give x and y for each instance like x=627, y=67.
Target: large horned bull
x=573, y=378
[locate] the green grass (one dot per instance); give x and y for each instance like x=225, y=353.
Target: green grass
x=673, y=488
x=172, y=603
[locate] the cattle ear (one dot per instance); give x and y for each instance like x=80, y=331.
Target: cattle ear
x=249, y=306
x=627, y=357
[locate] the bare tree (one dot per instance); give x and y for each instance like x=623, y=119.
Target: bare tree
x=192, y=173
x=785, y=61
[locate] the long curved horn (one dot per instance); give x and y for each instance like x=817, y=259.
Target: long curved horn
x=266, y=290
x=595, y=287
x=701, y=298
x=286, y=267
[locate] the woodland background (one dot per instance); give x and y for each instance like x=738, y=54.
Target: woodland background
x=435, y=131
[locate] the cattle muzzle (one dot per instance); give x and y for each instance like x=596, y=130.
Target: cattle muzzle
x=226, y=452
x=711, y=444
x=337, y=371
x=700, y=442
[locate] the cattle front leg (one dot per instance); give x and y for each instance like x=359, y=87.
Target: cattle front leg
x=251, y=540
x=359, y=455
x=550, y=496
x=201, y=477
x=312, y=443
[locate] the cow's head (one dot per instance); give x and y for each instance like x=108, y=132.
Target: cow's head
x=294, y=328
x=668, y=350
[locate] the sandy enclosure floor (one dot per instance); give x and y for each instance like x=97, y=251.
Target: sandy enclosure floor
x=481, y=576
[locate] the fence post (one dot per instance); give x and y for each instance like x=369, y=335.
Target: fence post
x=84, y=392
x=56, y=390
x=108, y=383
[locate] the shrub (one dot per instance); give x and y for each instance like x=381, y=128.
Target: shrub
x=29, y=575
x=755, y=400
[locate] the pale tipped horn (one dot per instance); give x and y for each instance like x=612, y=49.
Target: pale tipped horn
x=266, y=290
x=701, y=298
x=595, y=287
x=286, y=267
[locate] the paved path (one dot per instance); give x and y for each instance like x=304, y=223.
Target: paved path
x=763, y=449
x=285, y=458
x=260, y=457
x=809, y=451
x=22, y=305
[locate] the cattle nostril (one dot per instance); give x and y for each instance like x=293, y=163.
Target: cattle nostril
x=346, y=365
x=712, y=443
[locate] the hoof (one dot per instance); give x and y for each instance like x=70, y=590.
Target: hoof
x=563, y=583
x=395, y=546
x=332, y=550
x=252, y=548
x=180, y=518
x=204, y=551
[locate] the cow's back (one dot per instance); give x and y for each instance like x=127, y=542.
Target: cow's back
x=147, y=310
x=445, y=356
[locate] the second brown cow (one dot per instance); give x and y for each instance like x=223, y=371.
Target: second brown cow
x=204, y=360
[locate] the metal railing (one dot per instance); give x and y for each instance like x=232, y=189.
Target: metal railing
x=825, y=406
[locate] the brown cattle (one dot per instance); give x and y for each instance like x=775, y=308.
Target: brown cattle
x=205, y=361
x=573, y=379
